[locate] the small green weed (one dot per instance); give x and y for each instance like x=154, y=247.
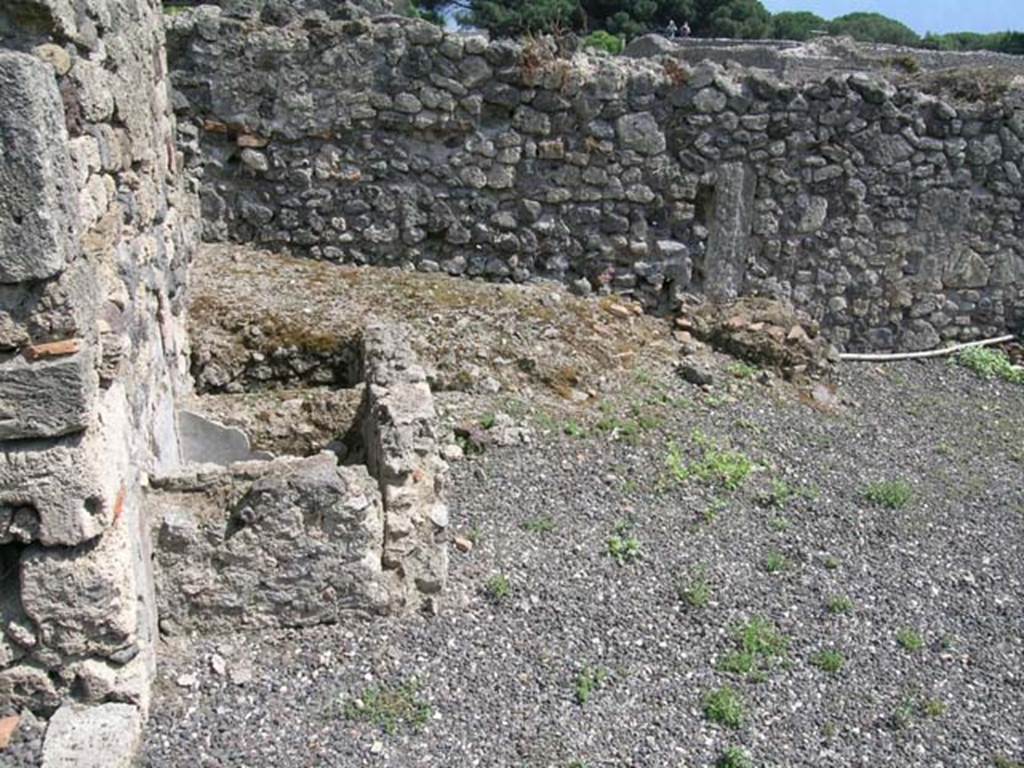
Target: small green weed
x=742, y=370
x=891, y=494
x=828, y=661
x=573, y=429
x=498, y=587
x=711, y=512
x=539, y=525
x=488, y=420
x=910, y=640
x=761, y=646
x=725, y=707
x=933, y=708
x=734, y=757
x=775, y=562
x=624, y=549
x=1001, y=761
x=989, y=364
x=695, y=591
x=587, y=681
x=840, y=604
x=832, y=562
x=780, y=494
x=390, y=707
x=725, y=468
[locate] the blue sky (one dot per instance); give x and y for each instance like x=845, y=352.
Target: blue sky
x=922, y=15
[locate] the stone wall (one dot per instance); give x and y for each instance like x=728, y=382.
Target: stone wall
x=96, y=231
x=890, y=214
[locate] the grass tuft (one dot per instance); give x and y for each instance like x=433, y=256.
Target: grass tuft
x=891, y=494
x=587, y=681
x=990, y=364
x=390, y=707
x=829, y=661
x=725, y=707
x=734, y=757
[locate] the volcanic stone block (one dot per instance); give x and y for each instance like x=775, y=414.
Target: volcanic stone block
x=46, y=398
x=82, y=599
x=105, y=736
x=729, y=231
x=71, y=482
x=37, y=190
x=290, y=542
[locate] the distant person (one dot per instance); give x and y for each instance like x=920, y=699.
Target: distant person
x=671, y=30
x=686, y=29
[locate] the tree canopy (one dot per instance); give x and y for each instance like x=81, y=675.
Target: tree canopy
x=873, y=28
x=797, y=25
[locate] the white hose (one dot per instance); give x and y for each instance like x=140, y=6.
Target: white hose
x=885, y=358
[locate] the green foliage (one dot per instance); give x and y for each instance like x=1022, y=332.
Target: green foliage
x=734, y=757
x=760, y=647
x=829, y=661
x=989, y=364
x=498, y=587
x=539, y=525
x=418, y=10
x=797, y=25
x=587, y=681
x=716, y=466
x=747, y=19
x=910, y=640
x=695, y=591
x=840, y=604
x=506, y=18
x=775, y=562
x=891, y=494
x=873, y=28
x=725, y=707
x=1001, y=42
x=624, y=549
x=390, y=707
x=604, y=41
x=742, y=370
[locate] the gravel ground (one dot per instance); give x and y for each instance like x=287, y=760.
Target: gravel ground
x=493, y=681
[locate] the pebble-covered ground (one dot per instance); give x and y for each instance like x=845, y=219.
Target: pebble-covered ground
x=622, y=605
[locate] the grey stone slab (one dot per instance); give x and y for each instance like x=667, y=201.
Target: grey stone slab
x=105, y=736
x=729, y=233
x=46, y=398
x=37, y=189
x=204, y=441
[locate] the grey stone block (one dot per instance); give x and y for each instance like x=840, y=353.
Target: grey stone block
x=292, y=542
x=47, y=398
x=82, y=599
x=70, y=482
x=37, y=207
x=105, y=736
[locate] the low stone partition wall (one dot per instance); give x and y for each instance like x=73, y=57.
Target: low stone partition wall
x=297, y=541
x=284, y=543
x=889, y=212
